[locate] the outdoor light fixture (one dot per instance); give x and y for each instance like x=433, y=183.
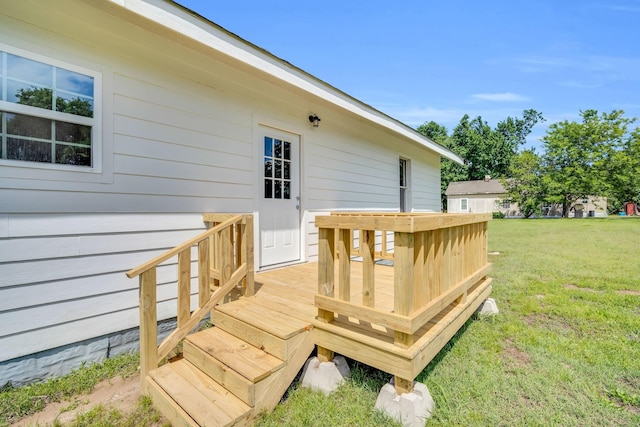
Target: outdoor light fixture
x=315, y=120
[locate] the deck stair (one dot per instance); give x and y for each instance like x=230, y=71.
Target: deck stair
x=231, y=372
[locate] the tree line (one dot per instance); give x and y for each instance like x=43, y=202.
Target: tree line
x=599, y=155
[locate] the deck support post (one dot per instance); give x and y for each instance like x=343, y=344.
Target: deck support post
x=402, y=385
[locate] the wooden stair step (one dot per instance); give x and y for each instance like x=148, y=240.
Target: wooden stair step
x=252, y=363
x=185, y=389
x=273, y=322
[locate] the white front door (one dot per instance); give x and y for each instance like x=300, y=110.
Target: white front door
x=280, y=201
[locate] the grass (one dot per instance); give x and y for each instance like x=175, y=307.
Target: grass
x=18, y=402
x=564, y=350
x=101, y=416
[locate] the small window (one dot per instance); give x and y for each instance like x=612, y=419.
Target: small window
x=464, y=205
x=404, y=185
x=46, y=113
x=506, y=204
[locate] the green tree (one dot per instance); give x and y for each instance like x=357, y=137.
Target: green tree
x=449, y=171
x=596, y=156
x=486, y=151
x=525, y=184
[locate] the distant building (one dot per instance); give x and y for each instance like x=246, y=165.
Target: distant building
x=489, y=196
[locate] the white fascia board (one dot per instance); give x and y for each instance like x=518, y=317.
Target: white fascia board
x=191, y=25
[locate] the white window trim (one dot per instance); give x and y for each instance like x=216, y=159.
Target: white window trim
x=95, y=122
x=466, y=202
x=408, y=205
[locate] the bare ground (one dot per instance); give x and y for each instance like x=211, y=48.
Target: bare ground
x=122, y=393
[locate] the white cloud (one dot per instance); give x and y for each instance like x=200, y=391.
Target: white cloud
x=500, y=97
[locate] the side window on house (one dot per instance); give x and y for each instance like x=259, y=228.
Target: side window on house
x=464, y=205
x=46, y=112
x=404, y=185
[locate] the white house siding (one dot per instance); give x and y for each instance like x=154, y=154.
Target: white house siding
x=180, y=136
x=485, y=203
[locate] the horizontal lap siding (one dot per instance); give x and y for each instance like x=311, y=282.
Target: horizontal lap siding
x=179, y=147
x=360, y=172
x=63, y=276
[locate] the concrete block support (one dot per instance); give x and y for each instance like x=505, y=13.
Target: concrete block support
x=325, y=376
x=411, y=409
x=488, y=308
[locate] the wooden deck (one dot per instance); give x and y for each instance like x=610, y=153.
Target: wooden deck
x=292, y=290
x=388, y=290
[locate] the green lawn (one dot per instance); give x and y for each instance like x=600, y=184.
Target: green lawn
x=564, y=350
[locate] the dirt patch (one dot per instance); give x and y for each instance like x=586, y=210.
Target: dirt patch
x=122, y=393
x=544, y=321
x=627, y=292
x=514, y=357
x=578, y=288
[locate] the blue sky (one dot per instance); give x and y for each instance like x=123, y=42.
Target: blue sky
x=425, y=60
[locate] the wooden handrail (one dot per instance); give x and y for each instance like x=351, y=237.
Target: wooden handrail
x=437, y=258
x=175, y=251
x=229, y=247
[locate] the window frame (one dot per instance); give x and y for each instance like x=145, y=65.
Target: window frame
x=404, y=184
x=95, y=122
x=466, y=204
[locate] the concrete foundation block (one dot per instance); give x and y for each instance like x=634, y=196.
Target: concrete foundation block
x=325, y=376
x=411, y=409
x=488, y=308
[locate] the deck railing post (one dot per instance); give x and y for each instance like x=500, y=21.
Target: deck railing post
x=344, y=258
x=247, y=254
x=148, y=324
x=367, y=252
x=404, y=274
x=204, y=271
x=184, y=286
x=326, y=279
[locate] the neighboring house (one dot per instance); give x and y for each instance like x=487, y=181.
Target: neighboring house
x=489, y=196
x=481, y=196
x=122, y=123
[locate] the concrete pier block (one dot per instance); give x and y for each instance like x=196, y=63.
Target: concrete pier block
x=325, y=376
x=488, y=308
x=411, y=409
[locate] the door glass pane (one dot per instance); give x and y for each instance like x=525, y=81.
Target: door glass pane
x=268, y=189
x=277, y=189
x=287, y=189
x=277, y=149
x=268, y=168
x=287, y=168
x=278, y=168
x=268, y=146
x=287, y=150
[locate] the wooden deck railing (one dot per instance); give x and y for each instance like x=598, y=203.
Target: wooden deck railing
x=436, y=259
x=224, y=260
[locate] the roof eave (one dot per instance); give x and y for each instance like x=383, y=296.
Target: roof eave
x=190, y=24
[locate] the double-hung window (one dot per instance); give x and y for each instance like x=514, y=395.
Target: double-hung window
x=47, y=112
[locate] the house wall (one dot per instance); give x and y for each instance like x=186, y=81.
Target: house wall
x=485, y=203
x=180, y=136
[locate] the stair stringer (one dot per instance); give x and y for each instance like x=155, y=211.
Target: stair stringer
x=270, y=390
